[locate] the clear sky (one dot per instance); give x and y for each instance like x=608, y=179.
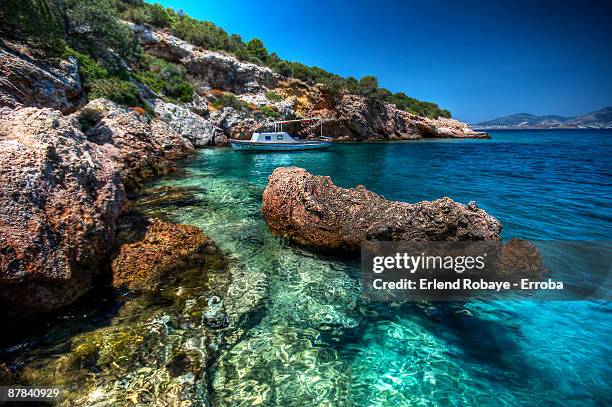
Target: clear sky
x=479, y=59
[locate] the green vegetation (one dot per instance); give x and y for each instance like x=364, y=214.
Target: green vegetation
x=228, y=99
x=166, y=78
x=273, y=96
x=34, y=20
x=89, y=29
x=117, y=90
x=270, y=111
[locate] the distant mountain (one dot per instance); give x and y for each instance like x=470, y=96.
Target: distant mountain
x=601, y=119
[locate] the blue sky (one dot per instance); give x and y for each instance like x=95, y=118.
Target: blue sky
x=479, y=59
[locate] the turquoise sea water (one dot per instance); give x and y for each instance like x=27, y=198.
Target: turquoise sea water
x=319, y=343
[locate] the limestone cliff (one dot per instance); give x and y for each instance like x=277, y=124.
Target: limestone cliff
x=346, y=116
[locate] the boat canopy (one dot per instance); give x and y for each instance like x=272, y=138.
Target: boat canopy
x=278, y=126
x=273, y=137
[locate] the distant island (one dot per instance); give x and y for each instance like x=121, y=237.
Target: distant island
x=600, y=119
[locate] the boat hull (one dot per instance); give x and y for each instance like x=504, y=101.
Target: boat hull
x=245, y=145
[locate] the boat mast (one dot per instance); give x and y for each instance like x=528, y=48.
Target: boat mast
x=278, y=126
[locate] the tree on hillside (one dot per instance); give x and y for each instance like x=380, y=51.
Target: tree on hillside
x=368, y=85
x=255, y=48
x=95, y=24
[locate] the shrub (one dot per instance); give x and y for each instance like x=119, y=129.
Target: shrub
x=368, y=85
x=115, y=89
x=153, y=14
x=228, y=99
x=88, y=118
x=166, y=78
x=34, y=22
x=89, y=69
x=255, y=48
x=269, y=111
x=282, y=68
x=273, y=96
x=97, y=26
x=334, y=87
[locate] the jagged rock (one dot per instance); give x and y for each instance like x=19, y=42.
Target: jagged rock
x=200, y=131
x=150, y=249
x=26, y=81
x=146, y=147
x=209, y=68
x=235, y=123
x=285, y=106
x=199, y=105
x=60, y=196
x=162, y=44
x=312, y=211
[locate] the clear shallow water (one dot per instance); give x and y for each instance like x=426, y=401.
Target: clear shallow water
x=318, y=343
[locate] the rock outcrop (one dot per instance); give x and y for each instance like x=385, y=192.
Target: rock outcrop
x=312, y=211
x=62, y=188
x=356, y=118
x=145, y=147
x=27, y=81
x=149, y=249
x=207, y=68
x=60, y=196
x=200, y=131
x=346, y=116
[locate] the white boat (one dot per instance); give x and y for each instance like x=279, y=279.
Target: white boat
x=279, y=140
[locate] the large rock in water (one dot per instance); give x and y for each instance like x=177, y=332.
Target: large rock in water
x=312, y=211
x=27, y=81
x=60, y=197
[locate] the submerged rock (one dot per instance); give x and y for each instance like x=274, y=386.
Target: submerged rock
x=312, y=211
x=60, y=196
x=149, y=249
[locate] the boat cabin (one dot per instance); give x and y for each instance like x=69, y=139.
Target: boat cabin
x=273, y=137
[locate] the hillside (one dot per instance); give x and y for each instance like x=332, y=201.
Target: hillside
x=600, y=119
x=208, y=85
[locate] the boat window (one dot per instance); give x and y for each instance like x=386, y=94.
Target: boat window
x=268, y=138
x=279, y=137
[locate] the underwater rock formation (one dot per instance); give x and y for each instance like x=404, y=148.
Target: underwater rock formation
x=312, y=211
x=60, y=196
x=149, y=249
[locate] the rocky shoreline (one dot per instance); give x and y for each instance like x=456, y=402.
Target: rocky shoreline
x=68, y=163
x=71, y=175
